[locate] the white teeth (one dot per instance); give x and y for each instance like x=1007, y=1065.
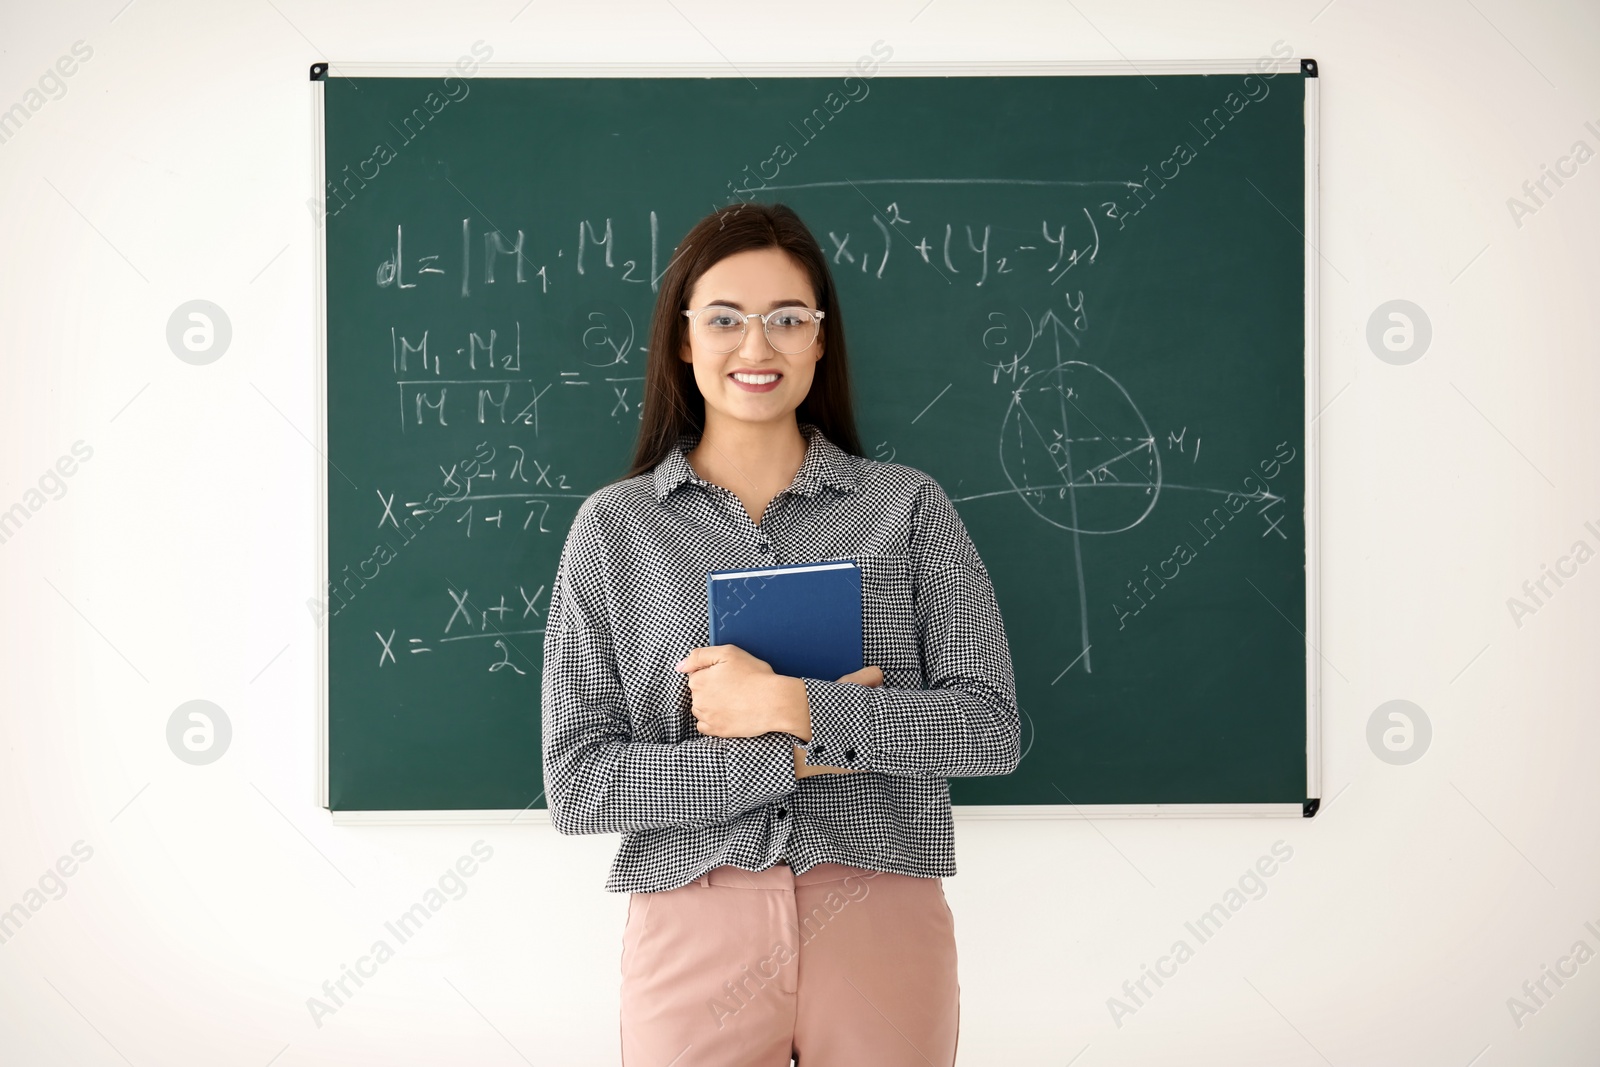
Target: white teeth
x=755, y=379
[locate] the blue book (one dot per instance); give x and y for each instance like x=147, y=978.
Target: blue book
x=803, y=618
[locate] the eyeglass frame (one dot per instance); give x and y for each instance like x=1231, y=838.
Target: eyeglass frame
x=744, y=323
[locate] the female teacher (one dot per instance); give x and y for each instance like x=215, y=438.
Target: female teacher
x=783, y=839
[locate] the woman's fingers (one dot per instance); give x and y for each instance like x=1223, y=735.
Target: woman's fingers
x=802, y=771
x=865, y=676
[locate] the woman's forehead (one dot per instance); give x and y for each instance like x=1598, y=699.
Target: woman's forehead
x=754, y=278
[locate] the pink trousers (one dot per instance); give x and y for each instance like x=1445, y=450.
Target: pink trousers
x=837, y=967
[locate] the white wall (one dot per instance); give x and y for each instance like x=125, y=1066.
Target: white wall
x=177, y=564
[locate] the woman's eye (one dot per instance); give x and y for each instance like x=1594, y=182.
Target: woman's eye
x=722, y=321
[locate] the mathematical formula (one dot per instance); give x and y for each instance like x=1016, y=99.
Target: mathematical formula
x=960, y=252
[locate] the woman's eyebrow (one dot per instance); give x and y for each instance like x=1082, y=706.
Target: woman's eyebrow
x=790, y=302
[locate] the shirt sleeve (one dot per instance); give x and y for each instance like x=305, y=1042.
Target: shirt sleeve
x=597, y=779
x=966, y=724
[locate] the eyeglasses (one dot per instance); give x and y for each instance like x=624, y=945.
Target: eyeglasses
x=789, y=330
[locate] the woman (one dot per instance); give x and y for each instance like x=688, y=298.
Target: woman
x=784, y=839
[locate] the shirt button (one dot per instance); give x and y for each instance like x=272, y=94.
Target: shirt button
x=849, y=753
x=818, y=747
x=782, y=812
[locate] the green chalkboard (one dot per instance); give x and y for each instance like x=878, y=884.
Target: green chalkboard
x=1078, y=301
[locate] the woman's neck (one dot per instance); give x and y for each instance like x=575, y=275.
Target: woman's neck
x=754, y=461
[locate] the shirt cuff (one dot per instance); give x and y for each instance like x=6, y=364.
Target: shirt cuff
x=841, y=724
x=760, y=770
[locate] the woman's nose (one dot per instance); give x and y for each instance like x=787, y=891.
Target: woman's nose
x=755, y=344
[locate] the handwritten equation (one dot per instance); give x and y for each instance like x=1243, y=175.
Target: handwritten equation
x=961, y=252
x=491, y=625
x=512, y=490
x=483, y=386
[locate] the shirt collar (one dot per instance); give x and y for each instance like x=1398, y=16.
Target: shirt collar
x=825, y=464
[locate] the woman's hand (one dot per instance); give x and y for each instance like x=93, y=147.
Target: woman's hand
x=734, y=694
x=865, y=676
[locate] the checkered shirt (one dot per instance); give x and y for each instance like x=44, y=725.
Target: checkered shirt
x=621, y=748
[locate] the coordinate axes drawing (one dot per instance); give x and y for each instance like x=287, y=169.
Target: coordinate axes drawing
x=1098, y=474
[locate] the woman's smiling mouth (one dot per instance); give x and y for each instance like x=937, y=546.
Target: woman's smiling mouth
x=756, y=382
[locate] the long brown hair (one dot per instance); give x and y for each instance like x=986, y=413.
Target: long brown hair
x=673, y=403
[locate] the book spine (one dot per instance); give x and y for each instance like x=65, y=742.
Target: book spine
x=711, y=609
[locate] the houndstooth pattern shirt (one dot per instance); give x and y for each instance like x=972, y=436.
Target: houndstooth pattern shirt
x=622, y=753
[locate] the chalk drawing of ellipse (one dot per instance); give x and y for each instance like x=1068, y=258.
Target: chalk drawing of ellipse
x=1079, y=452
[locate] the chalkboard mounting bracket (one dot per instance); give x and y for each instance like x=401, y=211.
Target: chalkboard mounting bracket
x=319, y=72
x=1308, y=67
x=1311, y=805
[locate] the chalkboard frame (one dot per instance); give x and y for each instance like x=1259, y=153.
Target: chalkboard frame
x=1307, y=68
